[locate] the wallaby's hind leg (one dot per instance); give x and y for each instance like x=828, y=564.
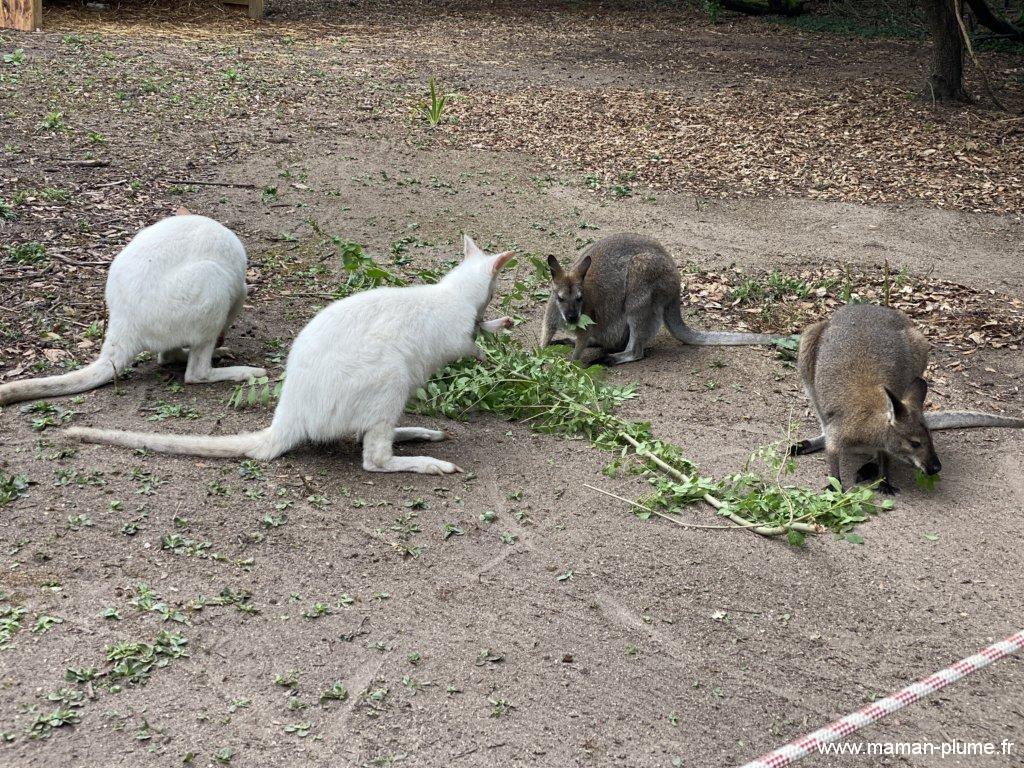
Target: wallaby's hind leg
x=200, y=368
x=222, y=351
x=378, y=456
x=634, y=347
x=643, y=325
x=404, y=434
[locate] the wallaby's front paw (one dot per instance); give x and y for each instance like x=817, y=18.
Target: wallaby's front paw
x=223, y=353
x=559, y=343
x=499, y=324
x=797, y=449
x=887, y=489
x=479, y=355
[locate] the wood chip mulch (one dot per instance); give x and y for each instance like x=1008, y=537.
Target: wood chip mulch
x=868, y=143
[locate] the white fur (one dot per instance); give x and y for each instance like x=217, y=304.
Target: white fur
x=177, y=285
x=352, y=369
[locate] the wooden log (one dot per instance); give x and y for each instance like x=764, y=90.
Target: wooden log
x=26, y=15
x=255, y=7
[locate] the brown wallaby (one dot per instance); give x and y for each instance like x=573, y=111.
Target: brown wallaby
x=628, y=285
x=862, y=372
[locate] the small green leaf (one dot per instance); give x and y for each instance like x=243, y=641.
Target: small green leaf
x=582, y=324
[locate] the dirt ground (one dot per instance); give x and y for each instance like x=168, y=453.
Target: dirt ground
x=565, y=631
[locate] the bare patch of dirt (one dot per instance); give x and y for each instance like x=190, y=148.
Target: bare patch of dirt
x=511, y=616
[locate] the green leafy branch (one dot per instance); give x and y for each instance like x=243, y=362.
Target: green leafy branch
x=552, y=395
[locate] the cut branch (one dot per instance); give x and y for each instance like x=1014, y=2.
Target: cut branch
x=990, y=20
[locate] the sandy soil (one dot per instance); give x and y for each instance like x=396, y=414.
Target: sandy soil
x=667, y=646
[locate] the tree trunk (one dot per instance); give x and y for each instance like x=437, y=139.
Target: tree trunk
x=947, y=78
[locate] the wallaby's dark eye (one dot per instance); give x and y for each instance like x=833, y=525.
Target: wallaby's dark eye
x=561, y=297
x=915, y=443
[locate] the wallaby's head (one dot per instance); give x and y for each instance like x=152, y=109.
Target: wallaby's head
x=477, y=274
x=567, y=288
x=907, y=436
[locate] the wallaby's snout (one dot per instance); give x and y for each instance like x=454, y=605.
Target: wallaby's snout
x=920, y=451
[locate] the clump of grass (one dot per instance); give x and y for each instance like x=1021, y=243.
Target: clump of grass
x=10, y=622
x=433, y=108
x=775, y=287
x=133, y=662
x=714, y=9
x=12, y=487
x=363, y=272
x=26, y=254
x=54, y=121
x=258, y=391
x=889, y=25
x=164, y=410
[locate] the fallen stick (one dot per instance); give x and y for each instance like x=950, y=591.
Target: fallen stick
x=813, y=743
x=659, y=513
x=210, y=183
x=86, y=163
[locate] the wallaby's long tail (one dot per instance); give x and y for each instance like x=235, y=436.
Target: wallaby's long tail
x=936, y=420
x=219, y=446
x=91, y=376
x=970, y=420
x=674, y=320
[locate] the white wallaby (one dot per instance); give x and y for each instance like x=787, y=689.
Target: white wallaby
x=174, y=289
x=352, y=369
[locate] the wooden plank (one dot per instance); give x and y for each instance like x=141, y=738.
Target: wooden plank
x=26, y=15
x=255, y=9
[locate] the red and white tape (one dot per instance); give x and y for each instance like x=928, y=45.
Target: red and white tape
x=802, y=747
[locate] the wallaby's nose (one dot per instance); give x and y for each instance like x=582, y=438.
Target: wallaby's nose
x=934, y=466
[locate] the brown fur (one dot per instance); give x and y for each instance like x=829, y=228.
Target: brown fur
x=629, y=286
x=862, y=372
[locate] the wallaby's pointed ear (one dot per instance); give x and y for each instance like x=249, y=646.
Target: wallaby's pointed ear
x=469, y=248
x=501, y=260
x=555, y=267
x=916, y=393
x=895, y=409
x=581, y=270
